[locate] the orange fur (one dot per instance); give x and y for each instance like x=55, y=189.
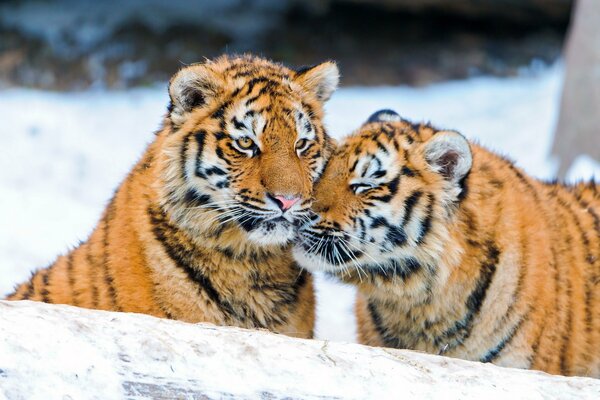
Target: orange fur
x=492, y=266
x=194, y=233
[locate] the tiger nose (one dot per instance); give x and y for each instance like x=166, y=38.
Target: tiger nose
x=285, y=202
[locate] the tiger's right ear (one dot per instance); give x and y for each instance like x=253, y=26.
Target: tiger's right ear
x=385, y=115
x=191, y=87
x=449, y=154
x=322, y=79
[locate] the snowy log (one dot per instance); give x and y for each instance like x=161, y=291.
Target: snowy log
x=62, y=352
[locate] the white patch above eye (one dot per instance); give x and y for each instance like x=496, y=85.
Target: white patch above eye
x=373, y=166
x=304, y=126
x=306, y=132
x=247, y=123
x=370, y=171
x=361, y=187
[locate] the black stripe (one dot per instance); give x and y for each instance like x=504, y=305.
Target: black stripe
x=487, y=271
x=261, y=79
x=519, y=286
x=30, y=290
x=524, y=180
x=378, y=222
x=251, y=100
x=396, y=236
x=363, y=229
x=403, y=268
x=238, y=124
x=93, y=269
x=108, y=279
x=219, y=152
x=220, y=112
x=284, y=294
x=461, y=329
x=409, y=205
x=589, y=259
x=595, y=273
x=408, y=171
x=195, y=199
x=214, y=170
x=426, y=222
x=493, y=353
x=45, y=282
x=183, y=156
x=200, y=138
x=381, y=147
x=406, y=267
x=71, y=278
x=393, y=185
x=387, y=339
x=185, y=257
x=220, y=135
x=566, y=284
x=557, y=292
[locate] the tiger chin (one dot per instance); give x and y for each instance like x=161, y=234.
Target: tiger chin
x=201, y=228
x=456, y=251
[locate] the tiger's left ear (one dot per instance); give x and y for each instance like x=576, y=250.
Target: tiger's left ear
x=449, y=154
x=322, y=80
x=193, y=86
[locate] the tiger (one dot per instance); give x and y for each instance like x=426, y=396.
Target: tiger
x=456, y=251
x=201, y=228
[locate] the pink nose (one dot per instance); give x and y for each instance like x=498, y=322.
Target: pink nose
x=285, y=202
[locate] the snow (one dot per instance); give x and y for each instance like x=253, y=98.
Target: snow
x=73, y=353
x=63, y=154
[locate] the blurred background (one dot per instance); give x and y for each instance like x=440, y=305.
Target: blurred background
x=77, y=44
x=83, y=87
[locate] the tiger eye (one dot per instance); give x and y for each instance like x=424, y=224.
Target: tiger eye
x=245, y=143
x=301, y=144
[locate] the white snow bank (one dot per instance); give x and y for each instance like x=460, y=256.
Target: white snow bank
x=54, y=352
x=62, y=155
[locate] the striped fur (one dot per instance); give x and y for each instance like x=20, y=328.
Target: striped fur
x=485, y=264
x=194, y=232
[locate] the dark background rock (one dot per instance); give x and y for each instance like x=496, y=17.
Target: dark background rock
x=523, y=11
x=76, y=44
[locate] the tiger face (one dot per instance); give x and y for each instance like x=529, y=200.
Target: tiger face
x=384, y=201
x=247, y=142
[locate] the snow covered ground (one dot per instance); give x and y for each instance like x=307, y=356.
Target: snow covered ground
x=62, y=352
x=62, y=155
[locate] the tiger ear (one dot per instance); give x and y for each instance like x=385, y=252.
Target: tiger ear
x=385, y=115
x=322, y=79
x=191, y=87
x=449, y=154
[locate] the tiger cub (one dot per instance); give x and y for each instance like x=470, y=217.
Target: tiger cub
x=201, y=228
x=456, y=251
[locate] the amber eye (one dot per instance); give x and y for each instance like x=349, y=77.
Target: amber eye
x=358, y=188
x=245, y=143
x=301, y=145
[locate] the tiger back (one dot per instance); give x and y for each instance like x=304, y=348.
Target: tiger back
x=200, y=229
x=456, y=251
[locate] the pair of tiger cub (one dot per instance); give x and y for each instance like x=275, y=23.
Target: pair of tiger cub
x=453, y=249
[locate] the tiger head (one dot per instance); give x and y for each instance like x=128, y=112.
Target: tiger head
x=384, y=202
x=243, y=143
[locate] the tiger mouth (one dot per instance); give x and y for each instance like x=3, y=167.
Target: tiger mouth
x=254, y=222
x=335, y=250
